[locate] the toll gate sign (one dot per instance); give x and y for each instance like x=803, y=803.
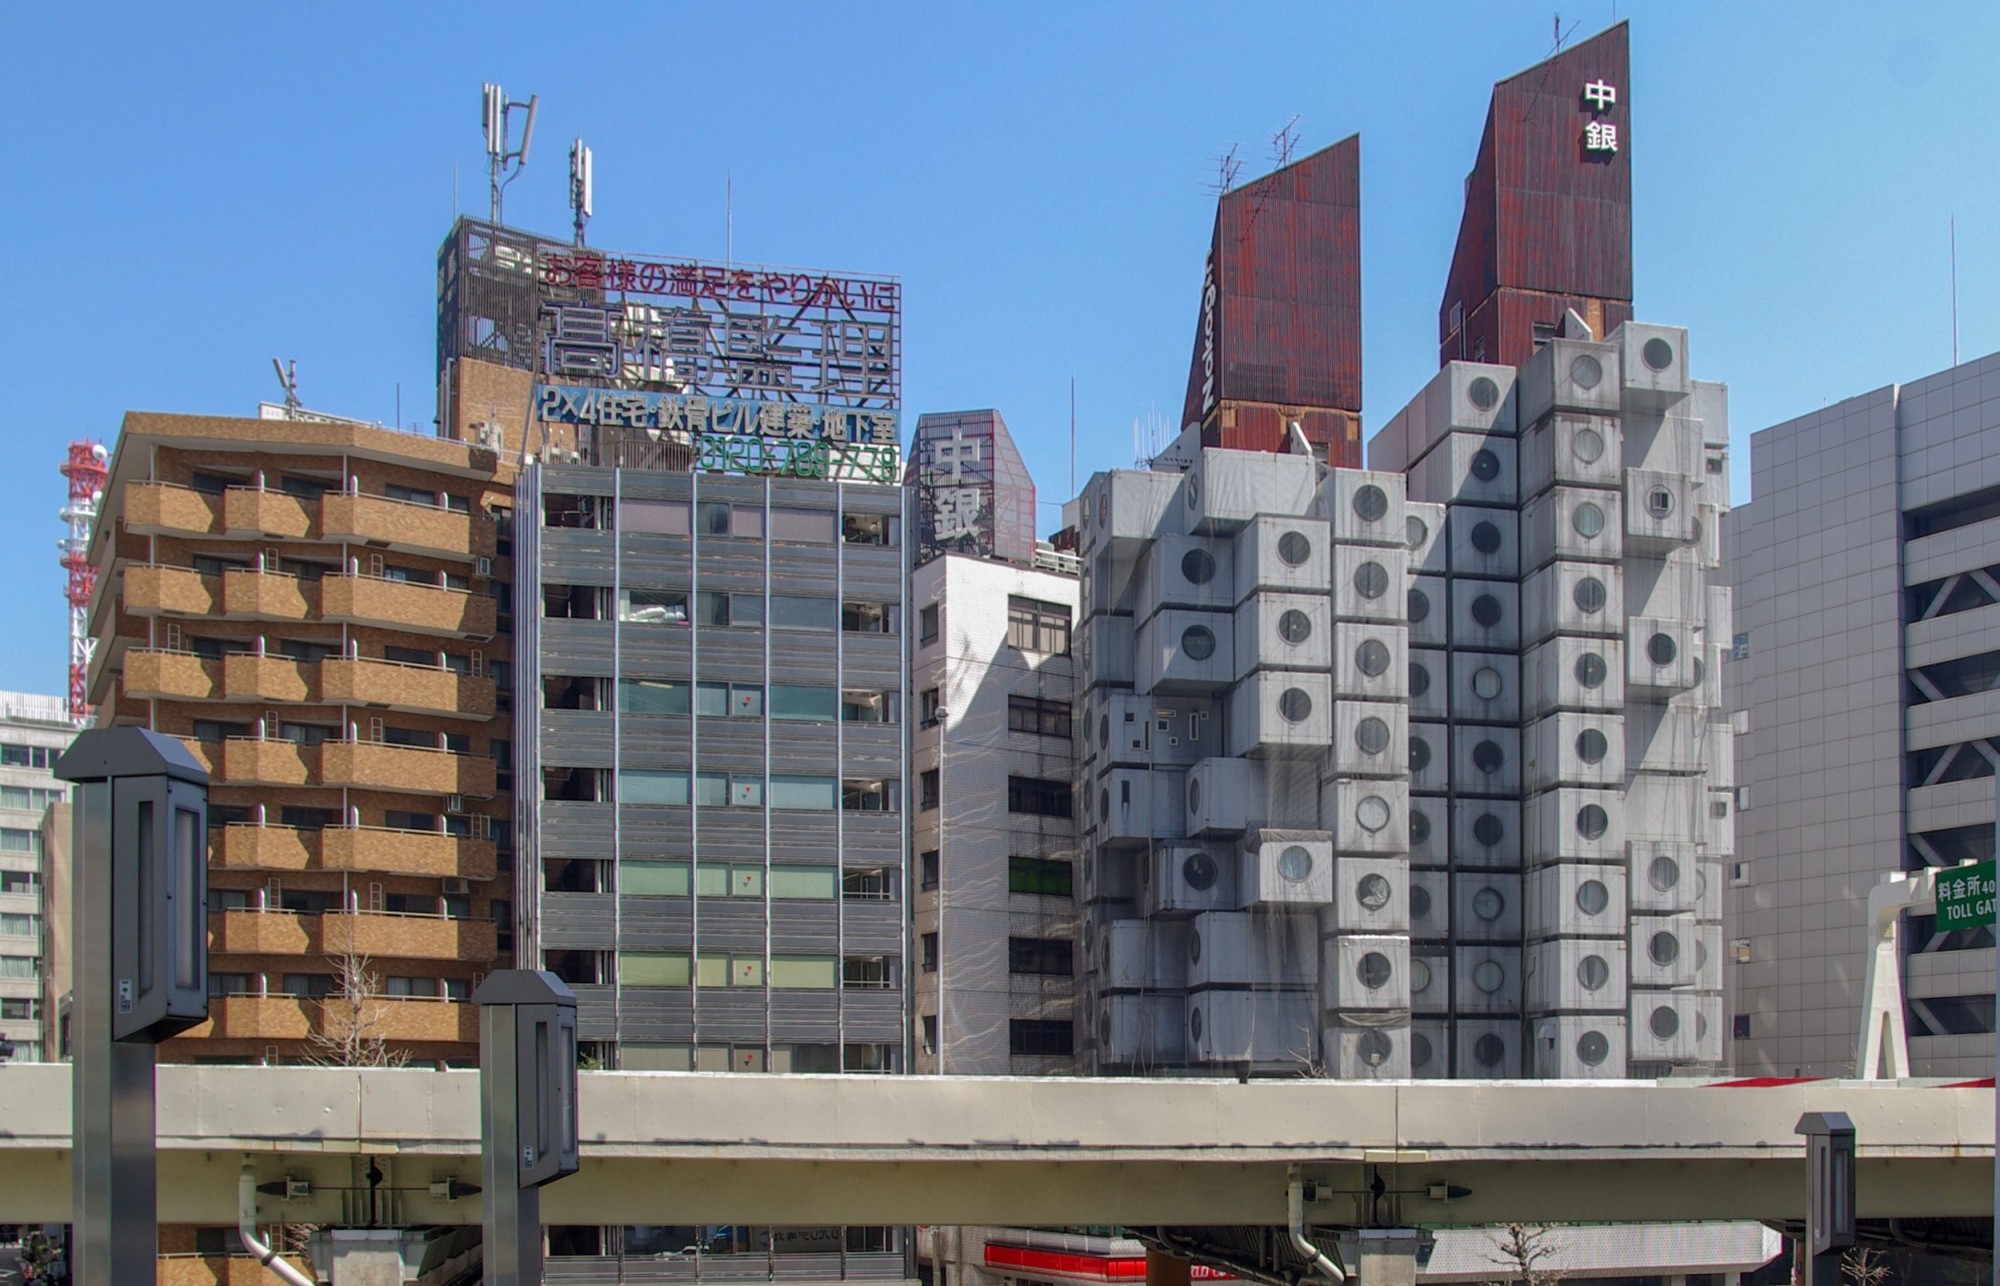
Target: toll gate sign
x=1965, y=896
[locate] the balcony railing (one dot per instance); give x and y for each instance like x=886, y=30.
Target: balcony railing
x=379, y=935
x=352, y=848
x=407, y=526
x=368, y=765
x=406, y=605
x=400, y=686
x=248, y=676
x=162, y=507
x=278, y=515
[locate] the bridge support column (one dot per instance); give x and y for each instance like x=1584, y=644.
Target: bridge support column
x=1163, y=1269
x=1387, y=1257
x=366, y=1257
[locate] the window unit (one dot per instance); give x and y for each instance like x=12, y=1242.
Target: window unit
x=878, y=885
x=927, y=953
x=1054, y=957
x=653, y=606
x=870, y=795
x=410, y=495
x=868, y=973
x=1043, y=876
x=927, y=789
x=1040, y=1038
x=586, y=513
x=1038, y=716
x=808, y=526
x=927, y=623
x=869, y=529
x=796, y=612
x=12, y=756
x=715, y=518
x=929, y=702
x=871, y=618
x=805, y=703
x=927, y=869
x=869, y=707
x=1039, y=796
x=655, y=517
x=1037, y=626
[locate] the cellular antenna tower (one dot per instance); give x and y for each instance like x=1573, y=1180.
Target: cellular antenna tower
x=86, y=472
x=495, y=117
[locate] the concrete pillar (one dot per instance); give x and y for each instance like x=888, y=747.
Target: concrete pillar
x=1387, y=1257
x=1163, y=1269
x=366, y=1257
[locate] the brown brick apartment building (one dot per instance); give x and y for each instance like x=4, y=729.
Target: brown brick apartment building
x=321, y=610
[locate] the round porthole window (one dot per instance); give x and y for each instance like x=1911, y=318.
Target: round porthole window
x=1370, y=503
x=1420, y=898
x=1588, y=520
x=1483, y=393
x=1660, y=649
x=1104, y=803
x=1197, y=642
x=1591, y=746
x=1486, y=683
x=1489, y=977
x=1586, y=371
x=1420, y=977
x=1486, y=611
x=1372, y=657
x=1193, y=491
x=1104, y=730
x=1592, y=1048
x=1420, y=754
x=1592, y=821
x=1200, y=872
x=1373, y=892
x=1664, y=873
x=1374, y=1048
x=1420, y=678
x=1372, y=813
x=1194, y=1023
x=1415, y=531
x=1659, y=502
x=1420, y=1050
x=1371, y=581
x=1486, y=538
x=1420, y=606
x=1198, y=566
x=1489, y=1050
x=1485, y=465
x=1295, y=863
x=1294, y=548
x=1194, y=796
x=1590, y=670
x=1194, y=945
x=1664, y=1022
x=1104, y=1028
x=1488, y=830
x=1592, y=897
x=1587, y=445
x=1592, y=972
x=1373, y=970
x=1487, y=756
x=1371, y=735
x=1420, y=826
x=1487, y=904
x=1665, y=948
x=1657, y=353
x=1295, y=705
x=1294, y=626
x=1588, y=596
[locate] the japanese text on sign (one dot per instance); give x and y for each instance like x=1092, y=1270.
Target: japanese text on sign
x=1600, y=135
x=1965, y=896
x=685, y=416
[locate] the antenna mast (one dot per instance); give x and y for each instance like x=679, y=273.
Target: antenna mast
x=85, y=470
x=579, y=186
x=496, y=116
x=289, y=378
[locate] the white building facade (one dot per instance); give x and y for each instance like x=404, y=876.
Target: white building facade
x=34, y=731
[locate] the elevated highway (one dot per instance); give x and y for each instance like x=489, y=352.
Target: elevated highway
x=716, y=1148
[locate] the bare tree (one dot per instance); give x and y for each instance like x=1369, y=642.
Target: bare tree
x=352, y=1020
x=1864, y=1266
x=1527, y=1253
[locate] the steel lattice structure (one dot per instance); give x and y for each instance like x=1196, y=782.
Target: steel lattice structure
x=85, y=469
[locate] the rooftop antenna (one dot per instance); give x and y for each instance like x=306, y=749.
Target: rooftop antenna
x=1284, y=140
x=289, y=378
x=1954, y=290
x=496, y=116
x=1227, y=166
x=579, y=186
x=729, y=218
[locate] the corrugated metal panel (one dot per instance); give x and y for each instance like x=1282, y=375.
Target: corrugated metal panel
x=576, y=921
x=655, y=924
x=730, y=924
x=877, y=832
x=594, y=1013
x=805, y=1016
x=576, y=557
x=574, y=647
x=733, y=1015
x=664, y=1014
x=577, y=738
x=808, y=835
x=805, y=927
x=575, y=830
x=874, y=1015
x=873, y=928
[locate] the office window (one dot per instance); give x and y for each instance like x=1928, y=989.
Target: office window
x=1048, y=877
x=1054, y=956
x=729, y=880
x=636, y=786
x=807, y=793
x=806, y=703
x=729, y=700
x=21, y=1010
x=794, y=612
x=717, y=969
x=650, y=696
x=658, y=517
x=929, y=702
x=870, y=795
x=927, y=869
x=1039, y=796
x=871, y=618
x=19, y=841
x=1036, y=626
x=813, y=526
x=20, y=882
x=818, y=973
x=653, y=606
x=30, y=756
x=868, y=707
x=1038, y=716
x=654, y=879
x=869, y=529
x=713, y=518
x=927, y=624
x=32, y=798
x=927, y=789
x=927, y=952
x=19, y=926
x=654, y=968
x=804, y=883
x=18, y=967
x=1040, y=1037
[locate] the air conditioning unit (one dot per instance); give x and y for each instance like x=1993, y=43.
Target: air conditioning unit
x=1574, y=748
x=1483, y=542
x=1255, y=1027
x=1370, y=895
x=1486, y=614
x=456, y=886
x=1485, y=687
x=1577, y=975
x=1579, y=1047
x=1281, y=714
x=1575, y=899
x=1573, y=824
x=1430, y=904
x=1430, y=830
x=1366, y=817
x=1428, y=682
x=1370, y=739
x=1371, y=662
x=1486, y=906
x=1663, y=1026
x=1424, y=538
x=1486, y=833
x=1661, y=656
x=1224, y=490
x=1430, y=980
x=1143, y=955
x=1486, y=760
x=1570, y=375
x=1572, y=451
x=1186, y=653
x=1370, y=583
x=1284, y=632
x=1429, y=757
x=1365, y=508
x=1186, y=571
x=1285, y=554
x=1654, y=362
x=1430, y=1048
x=1663, y=952
x=1138, y=806
x=1427, y=606
x=454, y=803
x=1282, y=869
x=1659, y=511
x=1363, y=973
x=1146, y=1030
x=1573, y=598
x=1186, y=879
x=1568, y=673
x=1578, y=523
x=1239, y=949
x=1472, y=467
x=1357, y=1051
x=1486, y=1049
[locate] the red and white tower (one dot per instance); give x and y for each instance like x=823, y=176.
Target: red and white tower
x=86, y=471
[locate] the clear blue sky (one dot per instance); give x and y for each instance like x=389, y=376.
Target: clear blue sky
x=189, y=191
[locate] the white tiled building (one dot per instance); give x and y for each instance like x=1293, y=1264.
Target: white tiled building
x=34, y=730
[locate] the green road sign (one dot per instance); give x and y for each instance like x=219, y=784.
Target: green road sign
x=1965, y=896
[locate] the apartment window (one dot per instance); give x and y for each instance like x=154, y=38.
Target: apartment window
x=868, y=707
x=1740, y=1028
x=811, y=526
x=795, y=612
x=655, y=968
x=870, y=795
x=303, y=488
x=303, y=650
x=929, y=702
x=20, y=1010
x=871, y=618
x=219, y=730
x=1039, y=796
x=317, y=819
x=927, y=869
x=1039, y=716
x=868, y=529
x=868, y=886
x=14, y=840
x=714, y=518
x=715, y=608
x=415, y=738
x=409, y=495
x=653, y=606
x=396, y=819
x=410, y=655
x=656, y=517
x=1047, y=877
x=927, y=953
x=1040, y=1038
x=29, y=756
x=1052, y=956
x=867, y=973
x=811, y=704
x=209, y=565
x=18, y=967
x=214, y=484
x=927, y=789
x=220, y=815
x=927, y=623
x=315, y=734
x=802, y=793
x=1036, y=626
x=19, y=926
x=20, y=882
x=30, y=798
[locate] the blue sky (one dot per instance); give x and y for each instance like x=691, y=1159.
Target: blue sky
x=187, y=192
